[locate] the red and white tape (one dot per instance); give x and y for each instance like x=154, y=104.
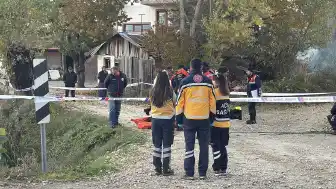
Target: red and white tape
x=305, y=99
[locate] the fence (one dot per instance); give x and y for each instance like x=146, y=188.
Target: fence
x=137, y=70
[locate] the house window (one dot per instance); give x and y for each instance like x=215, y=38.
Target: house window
x=162, y=17
x=107, y=62
x=137, y=27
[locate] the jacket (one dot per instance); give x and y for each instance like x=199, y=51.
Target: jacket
x=222, y=117
x=102, y=76
x=196, y=99
x=115, y=84
x=253, y=86
x=333, y=110
x=209, y=74
x=70, y=79
x=167, y=111
x=177, y=78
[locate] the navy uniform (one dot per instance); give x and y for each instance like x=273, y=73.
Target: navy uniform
x=163, y=134
x=332, y=118
x=195, y=105
x=220, y=133
x=253, y=91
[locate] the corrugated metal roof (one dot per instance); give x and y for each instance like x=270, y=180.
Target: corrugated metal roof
x=94, y=51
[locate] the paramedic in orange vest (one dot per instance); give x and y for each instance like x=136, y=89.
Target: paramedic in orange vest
x=253, y=91
x=162, y=100
x=220, y=127
x=196, y=106
x=207, y=71
x=180, y=74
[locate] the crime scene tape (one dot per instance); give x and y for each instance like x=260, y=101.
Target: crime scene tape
x=305, y=99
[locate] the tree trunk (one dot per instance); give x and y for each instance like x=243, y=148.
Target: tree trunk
x=80, y=66
x=195, y=19
x=182, y=18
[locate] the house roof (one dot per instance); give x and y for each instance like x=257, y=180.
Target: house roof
x=134, y=39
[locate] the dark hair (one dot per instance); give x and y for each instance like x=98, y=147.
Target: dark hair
x=223, y=84
x=161, y=92
x=115, y=68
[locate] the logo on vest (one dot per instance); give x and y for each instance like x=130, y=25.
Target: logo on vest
x=198, y=78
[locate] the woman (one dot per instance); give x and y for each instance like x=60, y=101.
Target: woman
x=162, y=100
x=221, y=124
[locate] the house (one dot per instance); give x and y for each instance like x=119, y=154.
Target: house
x=146, y=14
x=123, y=50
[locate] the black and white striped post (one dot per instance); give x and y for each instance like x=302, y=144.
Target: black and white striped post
x=41, y=89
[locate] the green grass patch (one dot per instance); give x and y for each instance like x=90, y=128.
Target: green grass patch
x=78, y=144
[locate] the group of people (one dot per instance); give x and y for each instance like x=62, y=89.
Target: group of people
x=202, y=108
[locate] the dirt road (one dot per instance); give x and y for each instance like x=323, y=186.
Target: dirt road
x=276, y=158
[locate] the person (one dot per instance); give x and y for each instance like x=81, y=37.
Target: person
x=207, y=71
x=70, y=80
x=162, y=100
x=101, y=78
x=196, y=105
x=253, y=91
x=115, y=83
x=220, y=127
x=180, y=74
x=170, y=71
x=332, y=119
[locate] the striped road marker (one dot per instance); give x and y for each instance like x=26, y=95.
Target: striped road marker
x=41, y=89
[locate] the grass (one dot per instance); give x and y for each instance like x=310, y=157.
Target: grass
x=79, y=144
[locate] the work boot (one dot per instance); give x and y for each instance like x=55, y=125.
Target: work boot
x=223, y=173
x=168, y=172
x=158, y=171
x=203, y=177
x=250, y=122
x=186, y=177
x=217, y=173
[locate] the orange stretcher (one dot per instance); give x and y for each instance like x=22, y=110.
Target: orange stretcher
x=143, y=123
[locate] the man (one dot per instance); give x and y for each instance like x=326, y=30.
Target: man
x=253, y=91
x=70, y=80
x=332, y=119
x=195, y=105
x=115, y=83
x=206, y=71
x=101, y=78
x=180, y=74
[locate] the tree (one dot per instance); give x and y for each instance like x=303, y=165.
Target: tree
x=83, y=24
x=287, y=27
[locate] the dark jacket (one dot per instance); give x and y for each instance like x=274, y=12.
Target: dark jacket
x=177, y=78
x=70, y=79
x=115, y=84
x=333, y=110
x=253, y=86
x=102, y=76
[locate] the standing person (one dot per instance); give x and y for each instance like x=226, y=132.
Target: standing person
x=196, y=104
x=70, y=80
x=332, y=119
x=115, y=83
x=207, y=71
x=221, y=124
x=101, y=78
x=162, y=100
x=180, y=74
x=253, y=91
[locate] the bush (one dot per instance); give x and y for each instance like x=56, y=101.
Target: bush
x=78, y=144
x=316, y=82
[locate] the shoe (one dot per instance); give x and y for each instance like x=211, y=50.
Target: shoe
x=223, y=173
x=250, y=122
x=158, y=172
x=217, y=173
x=169, y=172
x=186, y=177
x=202, y=177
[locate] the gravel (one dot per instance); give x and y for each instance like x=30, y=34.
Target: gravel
x=284, y=155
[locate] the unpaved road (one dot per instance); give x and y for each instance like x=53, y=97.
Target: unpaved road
x=256, y=160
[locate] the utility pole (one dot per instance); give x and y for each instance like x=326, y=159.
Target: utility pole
x=141, y=23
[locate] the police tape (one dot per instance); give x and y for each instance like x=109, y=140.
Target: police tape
x=305, y=99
